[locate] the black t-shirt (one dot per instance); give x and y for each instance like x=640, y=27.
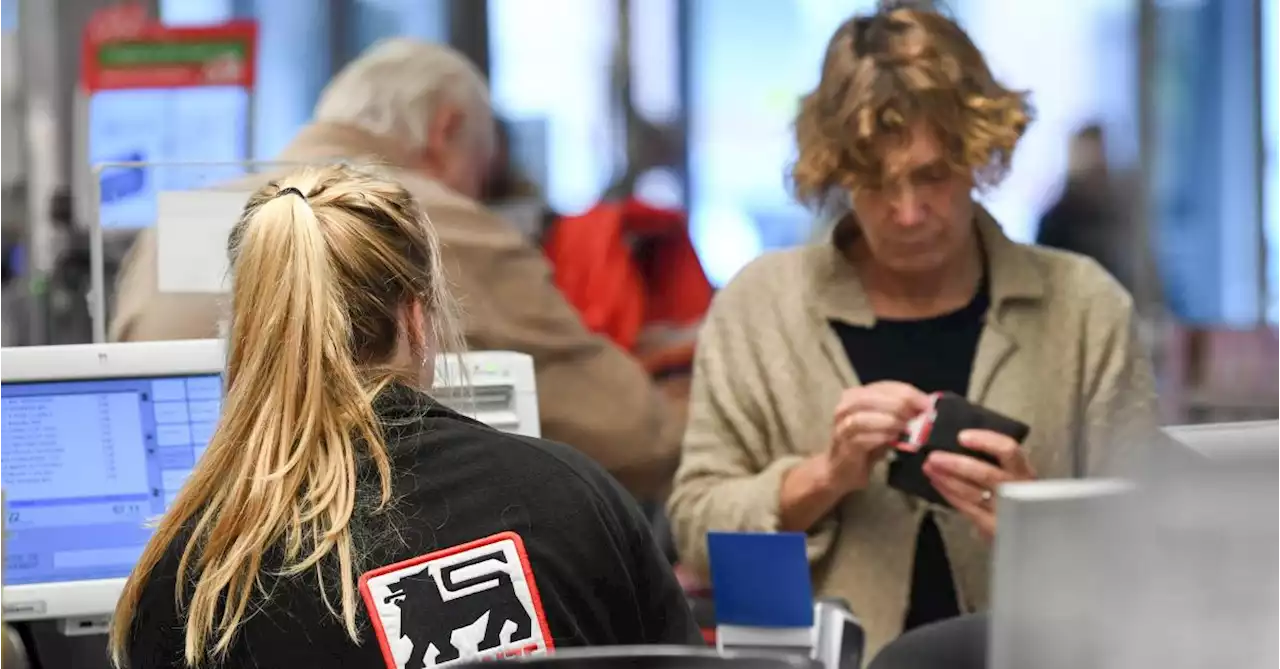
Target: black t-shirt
x=559, y=547
x=934, y=355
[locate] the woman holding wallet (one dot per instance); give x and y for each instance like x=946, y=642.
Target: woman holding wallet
x=815, y=362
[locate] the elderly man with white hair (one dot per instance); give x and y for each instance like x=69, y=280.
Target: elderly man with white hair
x=423, y=111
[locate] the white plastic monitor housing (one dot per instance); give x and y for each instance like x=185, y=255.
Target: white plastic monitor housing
x=87, y=603
x=502, y=394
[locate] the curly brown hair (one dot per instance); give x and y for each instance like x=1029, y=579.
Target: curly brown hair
x=884, y=73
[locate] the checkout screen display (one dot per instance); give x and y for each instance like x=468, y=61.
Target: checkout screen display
x=88, y=463
x=198, y=136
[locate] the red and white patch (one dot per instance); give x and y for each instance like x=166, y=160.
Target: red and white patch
x=476, y=601
x=919, y=428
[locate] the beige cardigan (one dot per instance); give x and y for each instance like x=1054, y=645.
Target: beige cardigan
x=1058, y=352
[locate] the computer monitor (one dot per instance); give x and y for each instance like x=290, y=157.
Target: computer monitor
x=97, y=440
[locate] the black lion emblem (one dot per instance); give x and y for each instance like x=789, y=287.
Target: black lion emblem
x=427, y=620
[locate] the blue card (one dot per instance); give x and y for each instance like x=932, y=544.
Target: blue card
x=761, y=579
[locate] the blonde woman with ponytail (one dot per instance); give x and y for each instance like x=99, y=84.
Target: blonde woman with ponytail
x=340, y=516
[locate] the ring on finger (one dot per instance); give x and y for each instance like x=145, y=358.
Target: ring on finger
x=986, y=497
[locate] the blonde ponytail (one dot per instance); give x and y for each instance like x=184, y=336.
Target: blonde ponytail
x=281, y=469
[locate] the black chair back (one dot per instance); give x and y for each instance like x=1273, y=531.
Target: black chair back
x=957, y=643
x=13, y=650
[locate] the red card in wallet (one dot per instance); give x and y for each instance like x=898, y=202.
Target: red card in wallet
x=938, y=429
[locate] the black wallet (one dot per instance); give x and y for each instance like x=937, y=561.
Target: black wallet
x=938, y=430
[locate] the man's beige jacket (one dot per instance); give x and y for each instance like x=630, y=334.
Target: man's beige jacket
x=591, y=395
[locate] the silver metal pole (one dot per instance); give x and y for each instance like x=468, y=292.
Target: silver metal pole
x=1260, y=162
x=38, y=41
x=97, y=267
x=1147, y=293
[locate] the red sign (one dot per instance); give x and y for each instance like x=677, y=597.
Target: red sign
x=123, y=48
x=118, y=22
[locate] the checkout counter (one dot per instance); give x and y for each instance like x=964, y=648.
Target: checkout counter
x=99, y=438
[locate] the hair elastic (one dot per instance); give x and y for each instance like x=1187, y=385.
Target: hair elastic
x=291, y=189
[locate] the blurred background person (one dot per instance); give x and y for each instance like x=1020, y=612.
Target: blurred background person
x=511, y=194
x=423, y=110
x=506, y=181
x=813, y=359
x=1089, y=217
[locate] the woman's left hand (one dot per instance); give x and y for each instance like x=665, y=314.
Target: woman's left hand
x=969, y=484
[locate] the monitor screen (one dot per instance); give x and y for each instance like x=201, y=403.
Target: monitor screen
x=88, y=462
x=192, y=137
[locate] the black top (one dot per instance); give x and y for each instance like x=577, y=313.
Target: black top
x=934, y=355
x=597, y=576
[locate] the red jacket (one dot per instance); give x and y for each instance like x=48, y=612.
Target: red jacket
x=632, y=273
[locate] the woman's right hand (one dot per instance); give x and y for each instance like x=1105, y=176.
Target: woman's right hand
x=868, y=421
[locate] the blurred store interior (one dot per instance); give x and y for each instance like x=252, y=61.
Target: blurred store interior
x=688, y=104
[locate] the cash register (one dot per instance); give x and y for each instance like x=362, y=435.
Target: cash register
x=97, y=440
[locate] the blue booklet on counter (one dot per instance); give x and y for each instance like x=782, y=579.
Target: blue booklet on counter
x=760, y=579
